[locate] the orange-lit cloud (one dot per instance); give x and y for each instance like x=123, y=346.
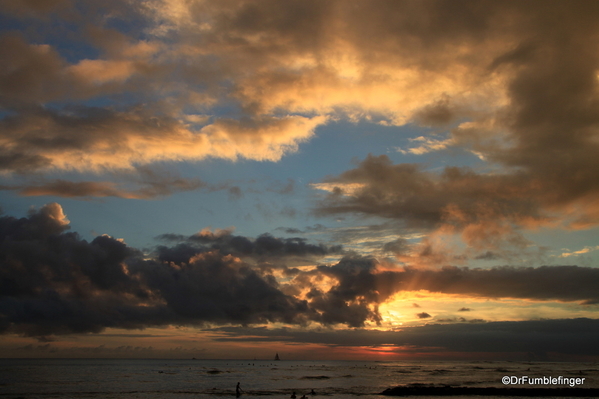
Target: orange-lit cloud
x=487, y=211
x=132, y=138
x=522, y=98
x=221, y=278
x=215, y=281
x=118, y=88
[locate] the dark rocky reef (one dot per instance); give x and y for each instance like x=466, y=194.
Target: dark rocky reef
x=428, y=390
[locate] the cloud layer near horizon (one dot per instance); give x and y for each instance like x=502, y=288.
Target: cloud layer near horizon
x=53, y=282
x=537, y=338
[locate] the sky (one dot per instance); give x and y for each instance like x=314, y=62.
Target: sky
x=377, y=180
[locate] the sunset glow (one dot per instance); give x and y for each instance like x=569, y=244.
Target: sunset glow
x=322, y=179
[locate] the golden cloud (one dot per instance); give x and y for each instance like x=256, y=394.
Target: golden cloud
x=97, y=139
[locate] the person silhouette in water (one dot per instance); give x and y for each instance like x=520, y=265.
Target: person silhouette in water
x=238, y=390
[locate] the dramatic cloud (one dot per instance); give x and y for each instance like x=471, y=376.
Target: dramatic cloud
x=357, y=286
x=96, y=98
x=264, y=248
x=74, y=140
x=53, y=282
x=488, y=210
x=281, y=70
x=562, y=283
x=540, y=140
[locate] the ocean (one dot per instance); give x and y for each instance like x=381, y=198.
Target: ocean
x=177, y=379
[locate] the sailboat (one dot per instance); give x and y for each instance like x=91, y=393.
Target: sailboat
x=277, y=356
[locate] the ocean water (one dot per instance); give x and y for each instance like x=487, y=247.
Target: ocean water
x=177, y=379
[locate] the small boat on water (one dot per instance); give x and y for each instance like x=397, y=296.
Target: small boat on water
x=277, y=356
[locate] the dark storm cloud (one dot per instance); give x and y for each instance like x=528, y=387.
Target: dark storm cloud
x=562, y=283
x=535, y=338
x=221, y=289
x=263, y=247
x=359, y=287
x=353, y=299
x=53, y=282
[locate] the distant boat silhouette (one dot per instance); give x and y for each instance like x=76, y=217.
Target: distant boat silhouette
x=277, y=356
